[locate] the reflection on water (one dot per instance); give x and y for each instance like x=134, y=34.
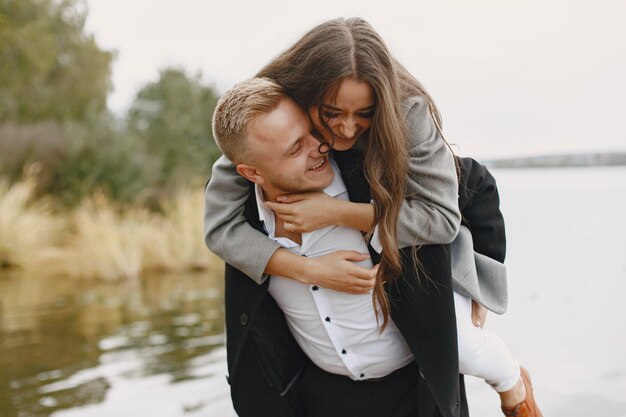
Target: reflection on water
x=68, y=343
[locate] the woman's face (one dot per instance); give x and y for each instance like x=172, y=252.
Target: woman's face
x=348, y=116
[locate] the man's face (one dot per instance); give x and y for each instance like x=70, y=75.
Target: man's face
x=284, y=153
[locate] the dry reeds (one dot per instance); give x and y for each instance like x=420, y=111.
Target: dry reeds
x=104, y=243
x=28, y=226
x=100, y=239
x=176, y=241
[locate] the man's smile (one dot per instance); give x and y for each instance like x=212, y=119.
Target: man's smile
x=318, y=165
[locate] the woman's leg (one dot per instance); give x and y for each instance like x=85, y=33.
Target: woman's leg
x=482, y=353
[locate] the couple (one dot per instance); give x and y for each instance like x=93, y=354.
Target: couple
x=313, y=329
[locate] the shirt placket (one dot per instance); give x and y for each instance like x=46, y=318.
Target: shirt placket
x=335, y=333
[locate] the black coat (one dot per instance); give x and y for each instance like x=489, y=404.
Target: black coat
x=264, y=359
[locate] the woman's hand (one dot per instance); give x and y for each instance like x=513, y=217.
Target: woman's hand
x=337, y=271
x=306, y=212
x=479, y=314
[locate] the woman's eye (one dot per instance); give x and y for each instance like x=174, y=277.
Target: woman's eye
x=367, y=115
x=330, y=115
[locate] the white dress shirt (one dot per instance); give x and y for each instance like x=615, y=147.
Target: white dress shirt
x=337, y=331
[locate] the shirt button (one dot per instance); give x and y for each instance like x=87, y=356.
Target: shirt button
x=362, y=375
x=315, y=288
x=243, y=319
x=343, y=351
x=327, y=319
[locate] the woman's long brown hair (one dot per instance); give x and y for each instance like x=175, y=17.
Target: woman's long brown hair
x=311, y=71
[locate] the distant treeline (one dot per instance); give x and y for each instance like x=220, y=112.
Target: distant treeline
x=54, y=83
x=571, y=160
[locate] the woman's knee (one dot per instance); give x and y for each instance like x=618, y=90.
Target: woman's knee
x=471, y=346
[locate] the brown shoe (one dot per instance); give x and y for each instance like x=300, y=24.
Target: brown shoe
x=528, y=407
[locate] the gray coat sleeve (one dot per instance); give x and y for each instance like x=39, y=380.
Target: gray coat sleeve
x=430, y=212
x=478, y=276
x=226, y=231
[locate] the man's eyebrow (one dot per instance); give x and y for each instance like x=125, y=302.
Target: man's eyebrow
x=329, y=107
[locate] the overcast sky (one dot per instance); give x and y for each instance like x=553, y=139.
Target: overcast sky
x=510, y=77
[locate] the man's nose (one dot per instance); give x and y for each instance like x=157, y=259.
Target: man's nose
x=315, y=146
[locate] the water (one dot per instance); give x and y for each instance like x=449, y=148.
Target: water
x=155, y=347
x=566, y=259
x=72, y=348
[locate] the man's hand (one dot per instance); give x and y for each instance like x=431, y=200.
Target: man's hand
x=479, y=314
x=337, y=271
x=306, y=212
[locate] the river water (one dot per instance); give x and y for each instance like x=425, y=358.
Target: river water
x=155, y=346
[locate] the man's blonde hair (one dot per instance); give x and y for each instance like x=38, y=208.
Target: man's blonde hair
x=237, y=108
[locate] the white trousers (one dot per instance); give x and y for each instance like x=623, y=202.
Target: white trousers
x=482, y=353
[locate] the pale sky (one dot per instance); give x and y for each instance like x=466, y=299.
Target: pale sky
x=510, y=78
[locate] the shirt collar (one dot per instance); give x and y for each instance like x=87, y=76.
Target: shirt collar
x=337, y=186
x=266, y=215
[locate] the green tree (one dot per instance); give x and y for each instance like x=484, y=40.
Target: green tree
x=173, y=116
x=50, y=69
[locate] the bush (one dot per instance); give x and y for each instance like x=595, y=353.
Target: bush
x=98, y=156
x=21, y=145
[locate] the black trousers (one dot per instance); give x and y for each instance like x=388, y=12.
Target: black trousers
x=323, y=394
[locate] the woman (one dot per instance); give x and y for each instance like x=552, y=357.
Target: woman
x=374, y=114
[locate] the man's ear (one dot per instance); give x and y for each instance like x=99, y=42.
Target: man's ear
x=251, y=173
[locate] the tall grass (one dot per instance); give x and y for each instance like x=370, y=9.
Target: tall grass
x=101, y=239
x=175, y=241
x=28, y=225
x=104, y=243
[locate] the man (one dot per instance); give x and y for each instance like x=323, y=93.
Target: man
x=286, y=355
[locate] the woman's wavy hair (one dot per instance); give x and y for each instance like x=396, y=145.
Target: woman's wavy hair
x=312, y=70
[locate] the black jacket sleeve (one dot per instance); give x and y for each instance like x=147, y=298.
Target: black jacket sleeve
x=479, y=203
